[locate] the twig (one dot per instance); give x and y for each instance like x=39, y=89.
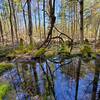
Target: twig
x=63, y=33
x=58, y=37
x=61, y=66
x=24, y=4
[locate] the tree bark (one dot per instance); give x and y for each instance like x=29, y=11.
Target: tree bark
x=96, y=78
x=81, y=2
x=1, y=31
x=44, y=17
x=11, y=23
x=52, y=22
x=25, y=23
x=29, y=21
x=39, y=24
x=35, y=20
x=77, y=78
x=15, y=20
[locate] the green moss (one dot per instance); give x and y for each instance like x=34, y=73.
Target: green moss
x=20, y=50
x=86, y=50
x=5, y=67
x=3, y=52
x=39, y=52
x=24, y=50
x=4, y=89
x=87, y=53
x=64, y=50
x=98, y=51
x=50, y=54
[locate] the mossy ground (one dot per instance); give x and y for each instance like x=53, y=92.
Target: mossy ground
x=4, y=89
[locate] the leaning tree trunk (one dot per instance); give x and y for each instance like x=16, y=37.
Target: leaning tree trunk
x=81, y=2
x=29, y=21
x=52, y=22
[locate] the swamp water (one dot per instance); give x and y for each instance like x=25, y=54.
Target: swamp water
x=48, y=80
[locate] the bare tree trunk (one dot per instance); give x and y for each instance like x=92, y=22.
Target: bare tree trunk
x=25, y=23
x=44, y=17
x=36, y=78
x=35, y=21
x=81, y=2
x=68, y=19
x=74, y=25
x=1, y=31
x=77, y=78
x=11, y=23
x=15, y=21
x=96, y=78
x=71, y=20
x=96, y=29
x=76, y=21
x=39, y=24
x=52, y=22
x=29, y=21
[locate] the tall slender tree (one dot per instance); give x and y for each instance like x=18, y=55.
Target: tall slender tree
x=52, y=19
x=44, y=18
x=24, y=17
x=39, y=24
x=35, y=18
x=29, y=21
x=81, y=3
x=1, y=31
x=14, y=17
x=11, y=23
